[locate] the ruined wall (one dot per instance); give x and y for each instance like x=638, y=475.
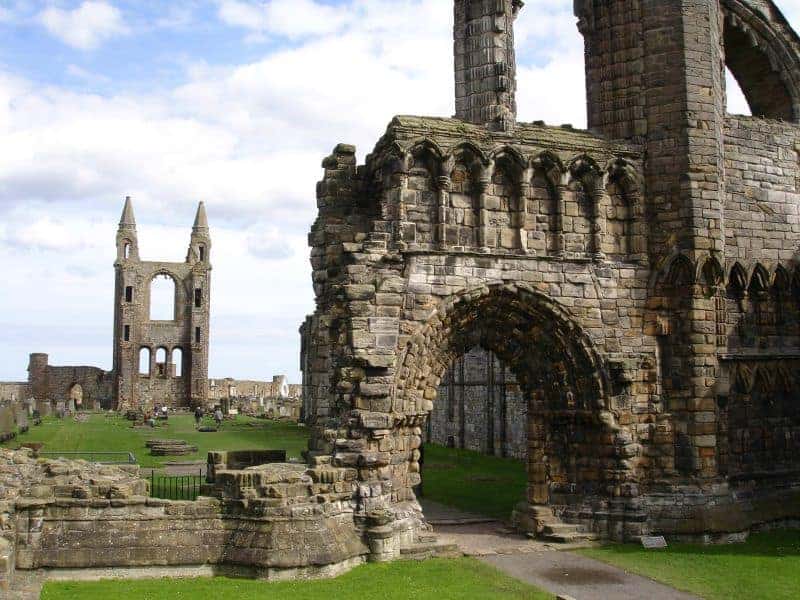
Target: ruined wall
x=273, y=521
x=14, y=391
x=161, y=362
x=602, y=273
x=275, y=398
x=480, y=407
x=79, y=388
x=762, y=170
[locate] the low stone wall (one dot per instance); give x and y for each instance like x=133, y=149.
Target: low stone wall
x=269, y=521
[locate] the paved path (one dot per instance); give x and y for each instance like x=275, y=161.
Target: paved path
x=581, y=577
x=544, y=565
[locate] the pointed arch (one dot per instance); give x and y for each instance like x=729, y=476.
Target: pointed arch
x=679, y=271
x=427, y=145
x=551, y=165
x=761, y=51
x=759, y=280
x=737, y=280
x=711, y=273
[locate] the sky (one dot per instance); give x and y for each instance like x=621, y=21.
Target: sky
x=232, y=102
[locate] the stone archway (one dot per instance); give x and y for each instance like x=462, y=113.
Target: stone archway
x=572, y=440
x=76, y=397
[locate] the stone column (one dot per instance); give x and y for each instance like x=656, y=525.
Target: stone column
x=482, y=186
x=561, y=209
x=524, y=195
x=638, y=233
x=445, y=185
x=598, y=193
x=402, y=232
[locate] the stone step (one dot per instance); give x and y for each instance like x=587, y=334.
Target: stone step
x=557, y=527
x=573, y=537
x=424, y=551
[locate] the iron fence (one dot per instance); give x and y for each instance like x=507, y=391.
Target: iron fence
x=176, y=487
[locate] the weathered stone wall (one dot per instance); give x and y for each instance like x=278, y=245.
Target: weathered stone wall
x=273, y=520
x=480, y=406
x=77, y=387
x=184, y=338
x=608, y=276
x=14, y=391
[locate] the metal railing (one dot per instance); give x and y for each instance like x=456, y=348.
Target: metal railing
x=111, y=458
x=176, y=487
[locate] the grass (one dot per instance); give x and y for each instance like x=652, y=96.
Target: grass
x=461, y=478
x=428, y=580
x=453, y=477
x=766, y=566
x=112, y=433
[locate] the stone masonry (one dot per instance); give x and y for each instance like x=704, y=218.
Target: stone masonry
x=639, y=279
x=139, y=339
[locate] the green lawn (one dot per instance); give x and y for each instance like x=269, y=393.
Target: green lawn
x=461, y=478
x=110, y=432
x=452, y=477
x=766, y=566
x=432, y=579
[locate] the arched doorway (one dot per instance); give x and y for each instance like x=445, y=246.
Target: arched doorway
x=75, y=397
x=571, y=457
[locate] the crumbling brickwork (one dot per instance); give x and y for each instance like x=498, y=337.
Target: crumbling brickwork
x=638, y=279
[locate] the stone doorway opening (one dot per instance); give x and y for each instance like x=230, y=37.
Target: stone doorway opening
x=75, y=399
x=570, y=456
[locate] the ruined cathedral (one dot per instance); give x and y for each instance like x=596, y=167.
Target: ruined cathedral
x=634, y=286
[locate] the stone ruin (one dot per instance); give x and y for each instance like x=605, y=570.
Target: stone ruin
x=639, y=279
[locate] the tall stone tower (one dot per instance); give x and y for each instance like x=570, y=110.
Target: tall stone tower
x=485, y=65
x=165, y=361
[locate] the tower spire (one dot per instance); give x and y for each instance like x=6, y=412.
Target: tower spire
x=200, y=219
x=127, y=220
x=127, y=242
x=200, y=245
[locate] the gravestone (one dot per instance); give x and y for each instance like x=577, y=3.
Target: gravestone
x=21, y=418
x=7, y=429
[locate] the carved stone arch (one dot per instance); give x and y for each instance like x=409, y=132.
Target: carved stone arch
x=425, y=144
x=469, y=152
x=584, y=169
x=553, y=359
x=742, y=379
x=781, y=282
x=759, y=281
x=710, y=272
x=679, y=271
x=552, y=166
x=763, y=53
x=513, y=156
x=518, y=297
x=505, y=215
x=622, y=174
x=738, y=281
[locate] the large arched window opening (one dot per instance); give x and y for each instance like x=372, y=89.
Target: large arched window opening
x=144, y=362
x=736, y=101
x=761, y=78
x=162, y=298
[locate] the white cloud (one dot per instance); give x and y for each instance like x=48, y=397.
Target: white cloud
x=288, y=18
x=246, y=138
x=85, y=27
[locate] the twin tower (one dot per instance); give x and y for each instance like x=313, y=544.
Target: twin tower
x=161, y=361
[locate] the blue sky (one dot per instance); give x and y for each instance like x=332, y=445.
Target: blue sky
x=234, y=102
